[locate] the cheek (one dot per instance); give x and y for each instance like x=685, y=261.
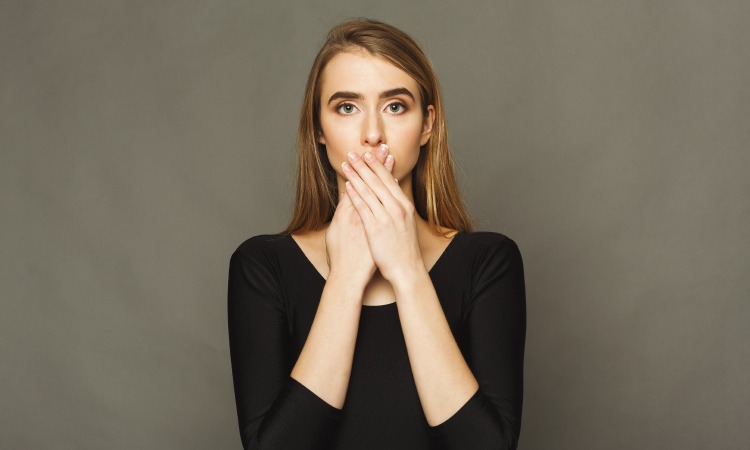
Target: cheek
x=407, y=132
x=406, y=139
x=339, y=142
x=339, y=133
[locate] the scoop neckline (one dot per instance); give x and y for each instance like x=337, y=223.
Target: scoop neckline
x=320, y=276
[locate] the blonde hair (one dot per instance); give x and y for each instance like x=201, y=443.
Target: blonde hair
x=434, y=188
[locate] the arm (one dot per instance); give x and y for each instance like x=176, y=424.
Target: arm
x=276, y=410
x=477, y=399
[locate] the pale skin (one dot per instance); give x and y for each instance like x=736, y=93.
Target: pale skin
x=377, y=249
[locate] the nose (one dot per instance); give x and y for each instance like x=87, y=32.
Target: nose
x=373, y=130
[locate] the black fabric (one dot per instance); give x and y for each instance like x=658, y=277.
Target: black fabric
x=273, y=295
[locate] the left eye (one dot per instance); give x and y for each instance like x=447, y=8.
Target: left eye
x=398, y=105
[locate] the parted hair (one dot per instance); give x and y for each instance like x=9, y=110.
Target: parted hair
x=436, y=196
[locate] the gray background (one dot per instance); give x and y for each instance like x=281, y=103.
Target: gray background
x=143, y=141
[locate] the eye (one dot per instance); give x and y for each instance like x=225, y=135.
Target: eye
x=346, y=105
x=403, y=107
x=348, y=108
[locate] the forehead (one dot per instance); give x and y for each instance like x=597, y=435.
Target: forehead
x=364, y=73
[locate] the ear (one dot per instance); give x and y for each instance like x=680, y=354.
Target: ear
x=429, y=120
x=321, y=139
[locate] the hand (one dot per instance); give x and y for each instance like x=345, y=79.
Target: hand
x=347, y=249
x=388, y=216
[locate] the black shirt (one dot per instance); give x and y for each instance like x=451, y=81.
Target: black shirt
x=273, y=295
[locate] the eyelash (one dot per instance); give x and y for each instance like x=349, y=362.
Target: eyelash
x=403, y=108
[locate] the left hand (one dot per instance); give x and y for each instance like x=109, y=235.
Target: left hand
x=389, y=217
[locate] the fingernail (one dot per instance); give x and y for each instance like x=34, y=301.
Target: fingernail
x=389, y=159
x=353, y=156
x=369, y=157
x=383, y=150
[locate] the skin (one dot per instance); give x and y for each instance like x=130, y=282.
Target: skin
x=366, y=124
x=361, y=126
x=376, y=213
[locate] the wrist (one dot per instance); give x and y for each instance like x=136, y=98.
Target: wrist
x=404, y=280
x=348, y=280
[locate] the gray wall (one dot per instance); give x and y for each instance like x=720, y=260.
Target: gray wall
x=143, y=141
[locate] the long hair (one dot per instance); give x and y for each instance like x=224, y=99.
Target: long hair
x=434, y=188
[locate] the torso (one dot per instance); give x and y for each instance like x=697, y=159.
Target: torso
x=378, y=291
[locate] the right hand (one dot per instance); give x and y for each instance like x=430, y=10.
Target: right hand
x=347, y=248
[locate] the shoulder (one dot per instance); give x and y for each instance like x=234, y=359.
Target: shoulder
x=491, y=241
x=261, y=244
x=260, y=254
x=497, y=269
x=254, y=269
x=262, y=249
x=492, y=251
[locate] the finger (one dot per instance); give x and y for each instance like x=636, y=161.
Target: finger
x=344, y=200
x=385, y=173
x=388, y=164
x=374, y=183
x=390, y=161
x=385, y=158
x=382, y=155
x=362, y=207
x=354, y=171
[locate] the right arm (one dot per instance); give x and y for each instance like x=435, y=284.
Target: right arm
x=325, y=363
x=276, y=409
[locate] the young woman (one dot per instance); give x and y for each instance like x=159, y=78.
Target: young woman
x=378, y=319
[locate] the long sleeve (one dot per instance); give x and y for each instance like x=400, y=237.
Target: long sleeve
x=274, y=410
x=495, y=327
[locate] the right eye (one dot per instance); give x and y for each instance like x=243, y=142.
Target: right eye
x=350, y=107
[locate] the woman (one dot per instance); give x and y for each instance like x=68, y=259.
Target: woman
x=379, y=257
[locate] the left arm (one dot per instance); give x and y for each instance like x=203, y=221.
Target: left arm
x=473, y=403
x=479, y=399
x=444, y=380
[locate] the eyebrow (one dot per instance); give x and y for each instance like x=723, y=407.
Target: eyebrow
x=358, y=96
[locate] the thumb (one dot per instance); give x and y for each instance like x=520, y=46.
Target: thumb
x=343, y=199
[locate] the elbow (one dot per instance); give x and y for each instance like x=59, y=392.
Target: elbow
x=510, y=430
x=510, y=441
x=245, y=441
x=506, y=429
x=249, y=437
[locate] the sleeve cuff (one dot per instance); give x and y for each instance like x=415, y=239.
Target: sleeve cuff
x=478, y=417
x=308, y=401
x=297, y=419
